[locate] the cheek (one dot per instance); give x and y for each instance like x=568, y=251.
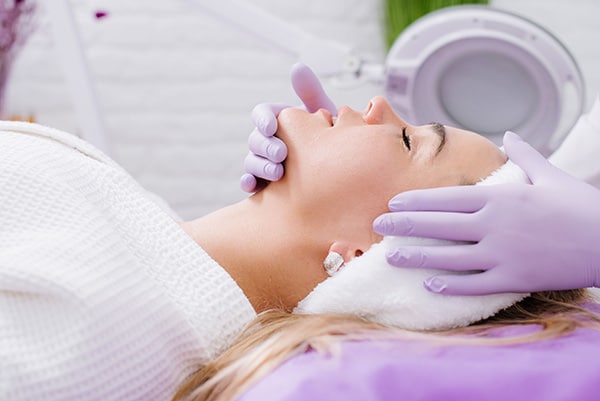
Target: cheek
x=378, y=172
x=361, y=186
x=344, y=182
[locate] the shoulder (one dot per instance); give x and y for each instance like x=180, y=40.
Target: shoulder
x=40, y=138
x=33, y=156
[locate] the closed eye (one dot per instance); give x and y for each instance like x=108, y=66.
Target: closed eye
x=405, y=138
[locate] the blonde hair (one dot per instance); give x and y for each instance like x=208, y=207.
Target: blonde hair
x=275, y=336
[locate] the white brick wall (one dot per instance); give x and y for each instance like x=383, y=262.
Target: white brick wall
x=176, y=87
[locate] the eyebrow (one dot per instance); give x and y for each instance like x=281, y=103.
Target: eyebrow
x=440, y=130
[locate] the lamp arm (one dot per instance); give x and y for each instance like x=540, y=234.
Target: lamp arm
x=326, y=58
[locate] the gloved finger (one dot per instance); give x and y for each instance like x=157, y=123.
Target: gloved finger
x=469, y=284
x=262, y=168
x=259, y=186
x=264, y=116
x=440, y=225
x=472, y=284
x=248, y=183
x=308, y=88
x=271, y=148
x=460, y=199
x=446, y=257
x=525, y=156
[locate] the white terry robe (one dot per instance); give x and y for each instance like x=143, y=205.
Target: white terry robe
x=102, y=295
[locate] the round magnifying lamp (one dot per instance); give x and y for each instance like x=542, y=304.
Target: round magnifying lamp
x=474, y=67
x=488, y=71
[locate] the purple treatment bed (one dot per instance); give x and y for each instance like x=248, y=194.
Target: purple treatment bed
x=566, y=368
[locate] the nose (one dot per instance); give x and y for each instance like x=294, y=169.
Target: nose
x=379, y=111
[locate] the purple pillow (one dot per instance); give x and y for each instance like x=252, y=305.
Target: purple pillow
x=566, y=368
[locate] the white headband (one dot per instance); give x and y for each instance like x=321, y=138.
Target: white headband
x=369, y=287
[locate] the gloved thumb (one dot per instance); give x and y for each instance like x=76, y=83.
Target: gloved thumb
x=525, y=156
x=308, y=88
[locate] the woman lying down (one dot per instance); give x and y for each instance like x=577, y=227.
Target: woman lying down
x=104, y=296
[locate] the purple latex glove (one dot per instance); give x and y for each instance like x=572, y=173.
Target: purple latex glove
x=263, y=162
x=525, y=238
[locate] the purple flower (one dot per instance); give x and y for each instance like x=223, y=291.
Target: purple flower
x=15, y=24
x=100, y=14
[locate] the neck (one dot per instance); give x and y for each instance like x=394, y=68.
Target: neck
x=259, y=245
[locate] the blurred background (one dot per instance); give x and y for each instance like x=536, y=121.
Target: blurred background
x=176, y=86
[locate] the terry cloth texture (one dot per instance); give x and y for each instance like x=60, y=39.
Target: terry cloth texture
x=102, y=295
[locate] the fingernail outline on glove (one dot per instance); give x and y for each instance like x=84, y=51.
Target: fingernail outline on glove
x=435, y=284
x=275, y=153
x=387, y=225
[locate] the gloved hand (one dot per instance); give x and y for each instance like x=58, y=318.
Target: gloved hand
x=525, y=238
x=263, y=162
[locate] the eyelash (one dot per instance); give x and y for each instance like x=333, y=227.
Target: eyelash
x=405, y=138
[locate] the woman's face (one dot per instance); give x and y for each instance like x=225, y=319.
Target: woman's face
x=340, y=174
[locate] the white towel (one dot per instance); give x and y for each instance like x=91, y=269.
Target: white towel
x=369, y=287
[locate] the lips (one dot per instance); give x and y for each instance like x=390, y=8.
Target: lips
x=341, y=111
